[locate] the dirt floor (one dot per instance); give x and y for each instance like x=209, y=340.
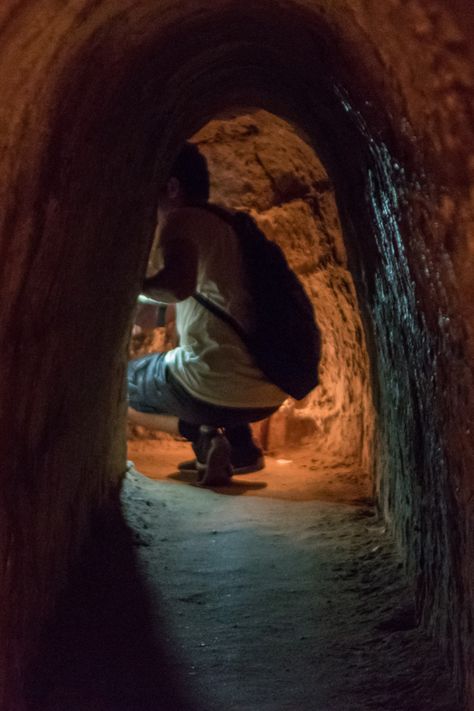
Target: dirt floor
x=294, y=474
x=269, y=595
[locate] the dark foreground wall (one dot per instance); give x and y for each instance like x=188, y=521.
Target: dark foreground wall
x=95, y=98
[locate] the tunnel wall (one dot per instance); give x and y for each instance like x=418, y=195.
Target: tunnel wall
x=96, y=96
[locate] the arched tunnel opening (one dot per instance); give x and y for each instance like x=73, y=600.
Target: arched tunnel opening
x=98, y=97
x=324, y=442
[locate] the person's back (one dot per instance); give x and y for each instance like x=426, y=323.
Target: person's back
x=207, y=389
x=211, y=361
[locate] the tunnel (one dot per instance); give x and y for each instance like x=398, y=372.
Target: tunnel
x=97, y=96
x=259, y=163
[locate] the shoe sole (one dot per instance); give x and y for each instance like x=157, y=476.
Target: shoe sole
x=194, y=466
x=250, y=468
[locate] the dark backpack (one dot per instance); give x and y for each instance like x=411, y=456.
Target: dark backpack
x=285, y=340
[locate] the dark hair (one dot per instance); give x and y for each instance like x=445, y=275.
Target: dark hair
x=190, y=168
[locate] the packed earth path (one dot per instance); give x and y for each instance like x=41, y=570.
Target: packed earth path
x=267, y=595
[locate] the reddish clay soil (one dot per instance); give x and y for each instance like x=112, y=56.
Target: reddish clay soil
x=291, y=474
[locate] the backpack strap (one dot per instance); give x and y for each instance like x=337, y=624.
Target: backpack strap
x=223, y=315
x=225, y=214
x=241, y=222
x=231, y=218
x=228, y=217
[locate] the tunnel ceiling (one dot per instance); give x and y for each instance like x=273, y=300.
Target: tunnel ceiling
x=159, y=73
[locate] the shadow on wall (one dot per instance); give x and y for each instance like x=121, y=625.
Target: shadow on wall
x=102, y=652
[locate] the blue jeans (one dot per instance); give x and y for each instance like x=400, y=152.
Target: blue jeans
x=153, y=389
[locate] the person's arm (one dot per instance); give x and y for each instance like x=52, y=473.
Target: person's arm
x=178, y=277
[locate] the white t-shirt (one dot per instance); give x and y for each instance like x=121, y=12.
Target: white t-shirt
x=211, y=362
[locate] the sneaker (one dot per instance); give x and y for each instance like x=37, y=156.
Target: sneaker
x=202, y=446
x=241, y=464
x=217, y=470
x=247, y=462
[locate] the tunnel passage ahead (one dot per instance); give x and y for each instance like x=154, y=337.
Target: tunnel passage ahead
x=257, y=162
x=96, y=98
